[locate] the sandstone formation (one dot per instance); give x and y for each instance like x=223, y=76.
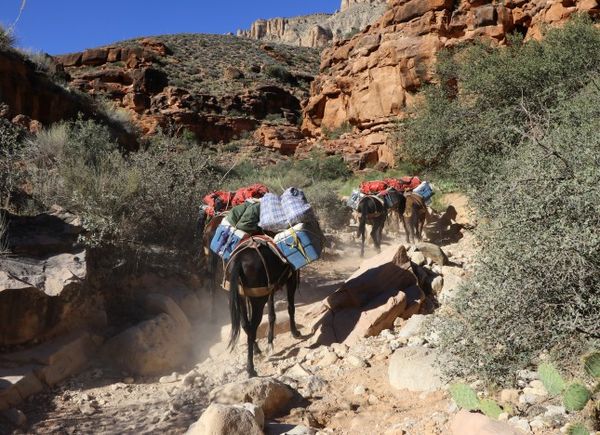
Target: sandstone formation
x=370, y=80
x=381, y=290
x=31, y=98
x=196, y=84
x=318, y=30
x=226, y=420
x=43, y=287
x=273, y=396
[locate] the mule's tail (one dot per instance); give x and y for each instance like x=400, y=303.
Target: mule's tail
x=235, y=307
x=362, y=220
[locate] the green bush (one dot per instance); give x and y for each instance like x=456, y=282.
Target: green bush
x=517, y=128
x=144, y=198
x=338, y=132
x=280, y=73
x=11, y=150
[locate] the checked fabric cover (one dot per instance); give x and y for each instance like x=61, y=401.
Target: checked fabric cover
x=296, y=207
x=272, y=215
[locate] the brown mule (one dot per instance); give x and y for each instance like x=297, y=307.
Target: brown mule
x=415, y=215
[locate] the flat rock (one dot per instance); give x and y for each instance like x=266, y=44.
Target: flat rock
x=221, y=419
x=414, y=369
x=273, y=396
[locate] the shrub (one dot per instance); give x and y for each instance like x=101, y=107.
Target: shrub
x=337, y=132
x=7, y=39
x=517, y=128
x=11, y=149
x=148, y=197
x=280, y=73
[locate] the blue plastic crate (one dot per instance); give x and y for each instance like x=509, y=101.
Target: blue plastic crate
x=299, y=245
x=424, y=190
x=226, y=239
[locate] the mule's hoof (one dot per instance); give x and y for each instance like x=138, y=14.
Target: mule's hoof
x=296, y=333
x=270, y=349
x=257, y=349
x=252, y=373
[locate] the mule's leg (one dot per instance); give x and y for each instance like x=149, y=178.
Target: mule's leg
x=257, y=307
x=291, y=286
x=271, y=304
x=421, y=224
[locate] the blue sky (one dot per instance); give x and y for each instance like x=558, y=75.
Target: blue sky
x=62, y=26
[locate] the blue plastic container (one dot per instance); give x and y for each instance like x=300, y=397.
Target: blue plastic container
x=226, y=240
x=299, y=245
x=424, y=190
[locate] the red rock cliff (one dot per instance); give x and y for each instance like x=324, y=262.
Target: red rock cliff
x=372, y=78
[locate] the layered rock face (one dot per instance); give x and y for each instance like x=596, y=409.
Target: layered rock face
x=370, y=80
x=318, y=30
x=174, y=86
x=31, y=98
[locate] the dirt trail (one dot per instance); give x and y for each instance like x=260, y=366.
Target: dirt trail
x=348, y=397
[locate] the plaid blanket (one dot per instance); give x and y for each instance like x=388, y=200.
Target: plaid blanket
x=272, y=215
x=296, y=207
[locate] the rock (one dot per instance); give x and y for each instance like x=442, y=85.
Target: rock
x=152, y=347
x=172, y=378
x=412, y=326
x=17, y=384
x=414, y=369
x=283, y=138
x=328, y=359
x=509, y=396
x=469, y=423
x=360, y=390
x=320, y=29
x=357, y=361
x=340, y=349
x=418, y=258
x=380, y=291
x=297, y=371
x=553, y=411
x=437, y=285
x=87, y=409
x=521, y=424
x=226, y=420
x=273, y=396
x=300, y=430
x=313, y=386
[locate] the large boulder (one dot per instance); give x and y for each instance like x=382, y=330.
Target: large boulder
x=227, y=420
x=381, y=290
x=415, y=369
x=43, y=288
x=470, y=423
x=155, y=346
x=273, y=396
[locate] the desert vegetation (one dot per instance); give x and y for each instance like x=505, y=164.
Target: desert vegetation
x=518, y=128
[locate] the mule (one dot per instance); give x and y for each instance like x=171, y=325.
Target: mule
x=207, y=229
x=414, y=217
x=372, y=211
x=255, y=274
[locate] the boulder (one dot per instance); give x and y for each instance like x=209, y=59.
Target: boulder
x=283, y=138
x=470, y=423
x=415, y=369
x=226, y=420
x=273, y=396
x=413, y=326
x=154, y=346
x=434, y=252
x=381, y=290
x=43, y=282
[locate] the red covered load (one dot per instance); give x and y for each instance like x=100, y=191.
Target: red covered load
x=221, y=200
x=254, y=191
x=373, y=187
x=403, y=184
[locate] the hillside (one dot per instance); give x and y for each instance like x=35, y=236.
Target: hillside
x=217, y=87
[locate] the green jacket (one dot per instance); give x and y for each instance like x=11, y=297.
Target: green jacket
x=245, y=217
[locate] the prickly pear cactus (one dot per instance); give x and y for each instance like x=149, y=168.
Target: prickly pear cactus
x=465, y=397
x=490, y=408
x=577, y=429
x=576, y=396
x=591, y=363
x=551, y=378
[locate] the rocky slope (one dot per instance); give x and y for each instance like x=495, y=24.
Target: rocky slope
x=318, y=30
x=31, y=96
x=217, y=87
x=371, y=79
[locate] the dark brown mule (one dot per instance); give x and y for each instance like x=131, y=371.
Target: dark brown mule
x=373, y=211
x=414, y=217
x=255, y=273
